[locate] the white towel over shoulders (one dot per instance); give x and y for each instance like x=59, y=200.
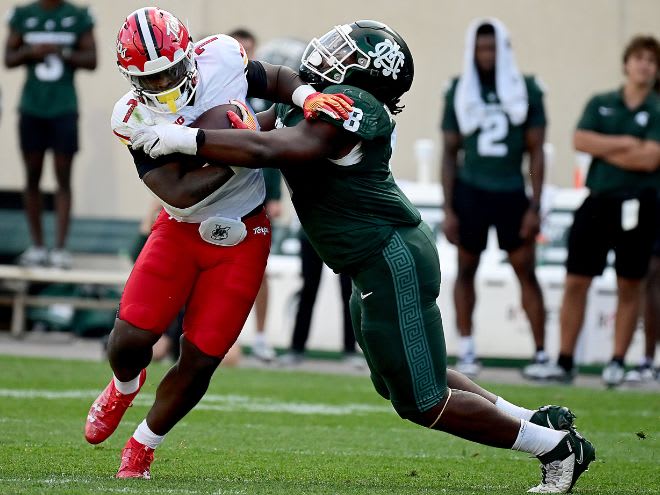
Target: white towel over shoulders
x=510, y=84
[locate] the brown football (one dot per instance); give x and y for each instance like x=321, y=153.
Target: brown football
x=214, y=118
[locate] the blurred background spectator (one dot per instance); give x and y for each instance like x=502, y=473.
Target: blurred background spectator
x=493, y=115
x=620, y=129
x=52, y=39
x=312, y=267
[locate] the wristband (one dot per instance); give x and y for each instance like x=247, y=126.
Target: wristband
x=301, y=93
x=200, y=138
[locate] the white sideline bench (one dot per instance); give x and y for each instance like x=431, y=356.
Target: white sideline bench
x=17, y=280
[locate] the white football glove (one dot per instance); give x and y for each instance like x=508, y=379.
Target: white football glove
x=165, y=139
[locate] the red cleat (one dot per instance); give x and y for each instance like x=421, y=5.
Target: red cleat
x=107, y=410
x=136, y=460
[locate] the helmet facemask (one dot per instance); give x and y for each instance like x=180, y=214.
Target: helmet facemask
x=330, y=57
x=167, y=90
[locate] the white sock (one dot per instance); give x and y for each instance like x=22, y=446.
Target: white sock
x=260, y=338
x=466, y=346
x=513, y=410
x=128, y=387
x=535, y=439
x=145, y=436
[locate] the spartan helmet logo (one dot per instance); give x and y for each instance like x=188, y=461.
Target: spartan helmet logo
x=219, y=232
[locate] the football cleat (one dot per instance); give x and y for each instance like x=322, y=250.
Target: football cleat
x=107, y=410
x=554, y=417
x=563, y=465
x=136, y=460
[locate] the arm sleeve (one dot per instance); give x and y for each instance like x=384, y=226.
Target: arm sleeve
x=144, y=163
x=256, y=79
x=589, y=121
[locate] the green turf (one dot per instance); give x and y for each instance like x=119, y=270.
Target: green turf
x=263, y=431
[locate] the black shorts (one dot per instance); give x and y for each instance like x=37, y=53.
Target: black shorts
x=477, y=209
x=57, y=133
x=597, y=229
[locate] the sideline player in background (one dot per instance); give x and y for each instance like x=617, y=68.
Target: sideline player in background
x=496, y=116
x=52, y=38
x=361, y=224
x=208, y=248
x=620, y=129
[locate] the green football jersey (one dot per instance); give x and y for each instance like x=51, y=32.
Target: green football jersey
x=49, y=89
x=349, y=207
x=493, y=154
x=607, y=113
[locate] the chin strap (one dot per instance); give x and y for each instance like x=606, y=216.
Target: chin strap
x=443, y=409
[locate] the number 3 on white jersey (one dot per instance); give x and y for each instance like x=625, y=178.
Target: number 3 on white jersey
x=353, y=122
x=494, y=128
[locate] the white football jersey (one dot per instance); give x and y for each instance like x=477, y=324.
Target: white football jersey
x=221, y=66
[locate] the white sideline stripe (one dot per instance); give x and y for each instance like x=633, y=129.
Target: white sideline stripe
x=214, y=402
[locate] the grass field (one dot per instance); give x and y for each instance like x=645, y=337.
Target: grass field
x=275, y=432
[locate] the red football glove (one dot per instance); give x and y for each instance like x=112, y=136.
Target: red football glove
x=338, y=106
x=243, y=121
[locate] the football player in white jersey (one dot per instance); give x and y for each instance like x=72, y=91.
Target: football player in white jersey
x=208, y=248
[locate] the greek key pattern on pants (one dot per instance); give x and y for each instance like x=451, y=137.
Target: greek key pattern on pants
x=411, y=323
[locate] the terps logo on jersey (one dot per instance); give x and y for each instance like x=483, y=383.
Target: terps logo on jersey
x=220, y=233
x=389, y=56
x=260, y=230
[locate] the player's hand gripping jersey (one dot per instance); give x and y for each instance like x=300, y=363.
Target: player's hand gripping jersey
x=221, y=64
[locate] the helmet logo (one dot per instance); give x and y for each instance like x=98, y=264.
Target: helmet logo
x=121, y=49
x=388, y=55
x=173, y=27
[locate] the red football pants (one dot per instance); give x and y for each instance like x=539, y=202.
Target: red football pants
x=217, y=284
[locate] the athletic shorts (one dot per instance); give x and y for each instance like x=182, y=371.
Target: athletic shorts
x=217, y=284
x=597, y=229
x=57, y=133
x=477, y=209
x=397, y=321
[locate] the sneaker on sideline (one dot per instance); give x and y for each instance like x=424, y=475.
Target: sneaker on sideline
x=34, y=256
x=468, y=365
x=548, y=372
x=291, y=358
x=262, y=351
x=613, y=374
x=641, y=374
x=60, y=258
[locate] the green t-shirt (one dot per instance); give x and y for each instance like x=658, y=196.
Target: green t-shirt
x=49, y=89
x=493, y=154
x=349, y=207
x=607, y=113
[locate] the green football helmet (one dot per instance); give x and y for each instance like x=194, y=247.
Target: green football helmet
x=366, y=54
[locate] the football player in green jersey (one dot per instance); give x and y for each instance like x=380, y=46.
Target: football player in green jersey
x=53, y=39
x=495, y=116
x=361, y=224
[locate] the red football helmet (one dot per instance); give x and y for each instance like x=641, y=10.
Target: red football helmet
x=155, y=53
